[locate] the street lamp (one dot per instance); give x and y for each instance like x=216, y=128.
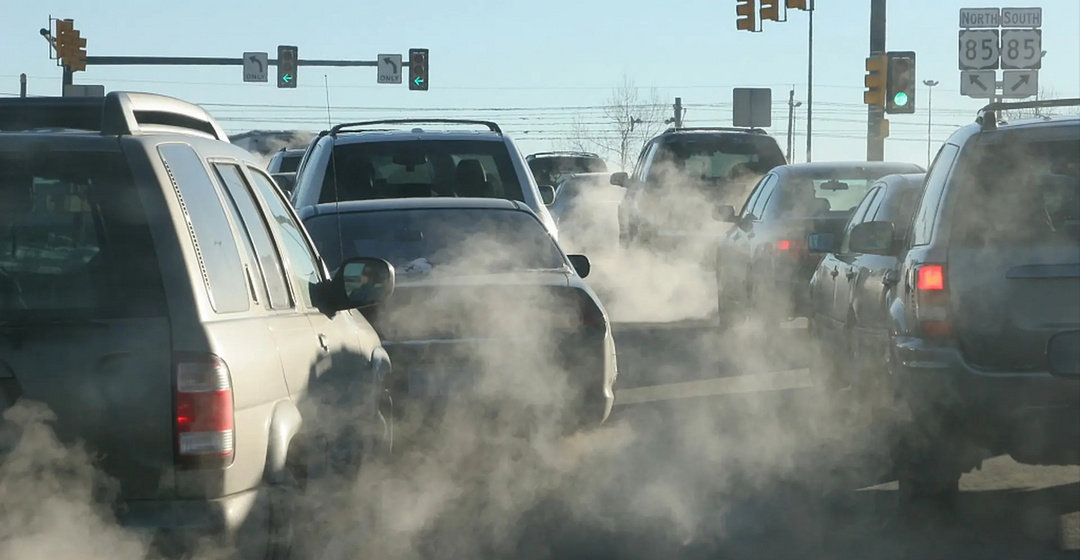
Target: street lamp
x=929, y=115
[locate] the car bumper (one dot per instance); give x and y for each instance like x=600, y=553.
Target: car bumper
x=1034, y=416
x=588, y=360
x=181, y=527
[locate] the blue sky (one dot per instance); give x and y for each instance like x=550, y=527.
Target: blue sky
x=532, y=66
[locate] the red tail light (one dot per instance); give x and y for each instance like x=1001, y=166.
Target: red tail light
x=204, y=411
x=591, y=315
x=783, y=245
x=932, y=301
x=792, y=247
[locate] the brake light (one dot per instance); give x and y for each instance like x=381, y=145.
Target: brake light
x=792, y=247
x=204, y=411
x=932, y=301
x=590, y=314
x=783, y=245
x=931, y=277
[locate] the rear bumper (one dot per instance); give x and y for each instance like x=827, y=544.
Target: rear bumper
x=1034, y=416
x=588, y=360
x=180, y=527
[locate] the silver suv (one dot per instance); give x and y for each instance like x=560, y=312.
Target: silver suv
x=368, y=160
x=160, y=296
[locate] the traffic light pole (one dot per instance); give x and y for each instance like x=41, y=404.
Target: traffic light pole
x=214, y=61
x=875, y=141
x=810, y=85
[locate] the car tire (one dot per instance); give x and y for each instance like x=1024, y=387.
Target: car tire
x=928, y=471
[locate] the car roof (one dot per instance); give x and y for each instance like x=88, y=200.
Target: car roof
x=566, y=154
x=434, y=203
x=903, y=179
x=839, y=165
x=417, y=133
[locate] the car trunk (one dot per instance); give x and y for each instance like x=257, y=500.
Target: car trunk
x=466, y=327
x=84, y=327
x=1010, y=302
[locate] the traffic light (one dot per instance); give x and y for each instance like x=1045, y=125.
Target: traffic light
x=901, y=86
x=747, y=20
x=70, y=47
x=797, y=5
x=286, y=66
x=770, y=10
x=418, y=69
x=875, y=80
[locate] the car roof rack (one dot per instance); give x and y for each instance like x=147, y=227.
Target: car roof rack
x=119, y=113
x=565, y=153
x=988, y=115
x=344, y=127
x=752, y=130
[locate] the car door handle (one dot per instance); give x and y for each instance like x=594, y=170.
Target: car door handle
x=850, y=274
x=834, y=272
x=322, y=342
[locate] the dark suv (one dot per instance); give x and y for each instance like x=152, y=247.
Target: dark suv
x=985, y=323
x=550, y=168
x=161, y=298
x=682, y=174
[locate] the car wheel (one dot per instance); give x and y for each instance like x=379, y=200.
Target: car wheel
x=928, y=472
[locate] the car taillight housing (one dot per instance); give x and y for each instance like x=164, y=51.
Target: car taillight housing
x=792, y=247
x=932, y=301
x=204, y=411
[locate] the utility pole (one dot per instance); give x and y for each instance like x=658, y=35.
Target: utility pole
x=22, y=85
x=678, y=112
x=929, y=115
x=810, y=85
x=792, y=104
x=875, y=141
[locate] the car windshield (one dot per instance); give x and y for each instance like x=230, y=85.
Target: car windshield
x=421, y=169
x=74, y=239
x=553, y=170
x=461, y=241
x=826, y=192
x=1020, y=194
x=719, y=158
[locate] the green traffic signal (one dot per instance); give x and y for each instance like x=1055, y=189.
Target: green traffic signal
x=900, y=99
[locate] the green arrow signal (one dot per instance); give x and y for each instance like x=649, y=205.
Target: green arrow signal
x=286, y=78
x=418, y=80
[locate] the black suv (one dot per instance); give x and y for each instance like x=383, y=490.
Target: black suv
x=985, y=320
x=682, y=174
x=550, y=168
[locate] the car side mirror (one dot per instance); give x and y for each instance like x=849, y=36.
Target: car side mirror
x=285, y=181
x=547, y=194
x=821, y=242
x=872, y=238
x=724, y=213
x=581, y=264
x=362, y=282
x=620, y=178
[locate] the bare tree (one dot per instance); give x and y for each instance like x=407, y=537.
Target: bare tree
x=1036, y=112
x=629, y=119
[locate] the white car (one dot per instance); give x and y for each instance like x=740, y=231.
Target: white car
x=381, y=160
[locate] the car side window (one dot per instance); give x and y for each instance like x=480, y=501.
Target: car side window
x=868, y=204
x=923, y=224
x=645, y=163
x=219, y=257
x=762, y=201
x=303, y=264
x=754, y=196
x=309, y=176
x=256, y=229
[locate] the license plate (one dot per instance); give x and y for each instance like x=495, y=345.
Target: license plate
x=438, y=383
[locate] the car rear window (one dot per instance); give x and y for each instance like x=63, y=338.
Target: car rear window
x=74, y=238
x=289, y=163
x=826, y=192
x=553, y=170
x=1019, y=193
x=487, y=240
x=420, y=168
x=719, y=157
